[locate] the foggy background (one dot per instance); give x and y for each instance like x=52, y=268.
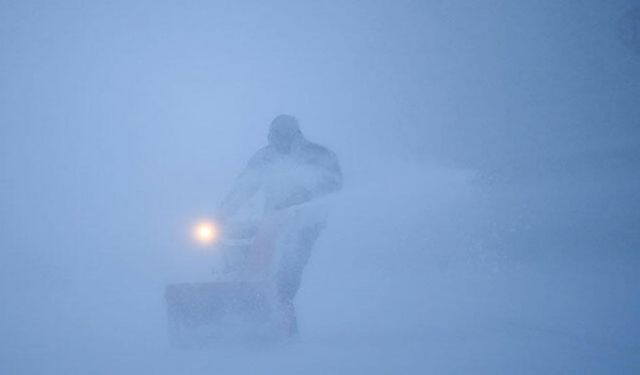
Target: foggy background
x=490, y=219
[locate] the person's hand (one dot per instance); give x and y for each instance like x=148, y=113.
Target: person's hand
x=221, y=215
x=299, y=196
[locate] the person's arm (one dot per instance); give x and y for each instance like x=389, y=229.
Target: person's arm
x=245, y=186
x=331, y=176
x=329, y=180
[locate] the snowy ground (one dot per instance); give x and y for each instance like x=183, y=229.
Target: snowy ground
x=458, y=324
x=399, y=300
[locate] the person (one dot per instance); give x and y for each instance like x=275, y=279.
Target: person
x=294, y=175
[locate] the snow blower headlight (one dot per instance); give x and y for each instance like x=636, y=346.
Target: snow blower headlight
x=205, y=232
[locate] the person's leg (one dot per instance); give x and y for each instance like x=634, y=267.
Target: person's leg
x=290, y=270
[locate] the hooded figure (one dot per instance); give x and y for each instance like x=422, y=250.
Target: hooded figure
x=293, y=173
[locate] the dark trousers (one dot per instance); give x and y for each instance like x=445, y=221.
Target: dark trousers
x=295, y=258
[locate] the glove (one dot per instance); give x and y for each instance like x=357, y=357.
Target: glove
x=299, y=196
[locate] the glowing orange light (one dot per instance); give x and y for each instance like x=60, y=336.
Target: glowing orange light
x=205, y=232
